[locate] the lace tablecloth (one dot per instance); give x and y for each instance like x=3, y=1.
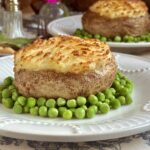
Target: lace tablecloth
x=136, y=142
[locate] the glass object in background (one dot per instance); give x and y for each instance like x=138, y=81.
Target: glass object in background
x=12, y=20
x=1, y=15
x=53, y=9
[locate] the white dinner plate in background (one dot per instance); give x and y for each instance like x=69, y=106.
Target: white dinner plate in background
x=68, y=25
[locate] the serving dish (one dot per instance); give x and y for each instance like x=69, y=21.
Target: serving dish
x=125, y=121
x=68, y=25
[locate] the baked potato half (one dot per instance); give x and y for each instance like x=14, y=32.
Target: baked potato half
x=117, y=17
x=64, y=66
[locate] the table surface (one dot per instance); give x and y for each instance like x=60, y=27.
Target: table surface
x=135, y=142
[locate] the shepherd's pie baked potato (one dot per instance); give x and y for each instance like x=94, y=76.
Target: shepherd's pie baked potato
x=64, y=66
x=117, y=17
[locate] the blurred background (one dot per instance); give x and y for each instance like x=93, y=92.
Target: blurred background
x=21, y=21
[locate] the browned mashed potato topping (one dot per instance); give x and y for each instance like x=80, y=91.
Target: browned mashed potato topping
x=63, y=54
x=120, y=8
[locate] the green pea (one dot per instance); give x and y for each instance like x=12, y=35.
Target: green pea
x=117, y=78
x=31, y=102
x=129, y=87
x=0, y=96
x=120, y=74
x=6, y=93
x=115, y=104
x=137, y=39
x=18, y=109
x=78, y=32
x=90, y=113
x=51, y=103
x=85, y=37
x=130, y=39
x=15, y=96
x=61, y=110
x=129, y=82
x=98, y=104
x=125, y=38
x=71, y=103
x=117, y=39
x=41, y=101
x=80, y=113
x=101, y=96
x=2, y=87
x=52, y=112
x=26, y=109
x=103, y=39
x=97, y=36
x=85, y=33
x=107, y=101
x=72, y=110
x=81, y=100
x=7, y=102
x=122, y=100
x=148, y=39
x=84, y=107
x=123, y=82
x=43, y=111
x=123, y=91
x=93, y=100
x=22, y=100
x=143, y=38
x=81, y=36
x=89, y=36
x=8, y=81
x=34, y=111
x=61, y=101
x=11, y=87
x=16, y=103
x=128, y=99
x=67, y=114
x=94, y=107
x=113, y=91
x=104, y=108
x=117, y=85
x=107, y=92
x=110, y=96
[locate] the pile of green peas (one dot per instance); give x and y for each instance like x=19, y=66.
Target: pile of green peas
x=85, y=35
x=82, y=107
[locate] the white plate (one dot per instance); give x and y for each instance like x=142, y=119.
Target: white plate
x=68, y=25
x=125, y=121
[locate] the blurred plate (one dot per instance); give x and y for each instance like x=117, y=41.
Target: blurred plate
x=68, y=25
x=125, y=121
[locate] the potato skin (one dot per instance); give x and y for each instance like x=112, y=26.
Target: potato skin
x=96, y=24
x=51, y=84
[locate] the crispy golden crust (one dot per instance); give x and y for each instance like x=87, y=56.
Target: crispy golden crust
x=63, y=54
x=96, y=24
x=52, y=84
x=120, y=8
